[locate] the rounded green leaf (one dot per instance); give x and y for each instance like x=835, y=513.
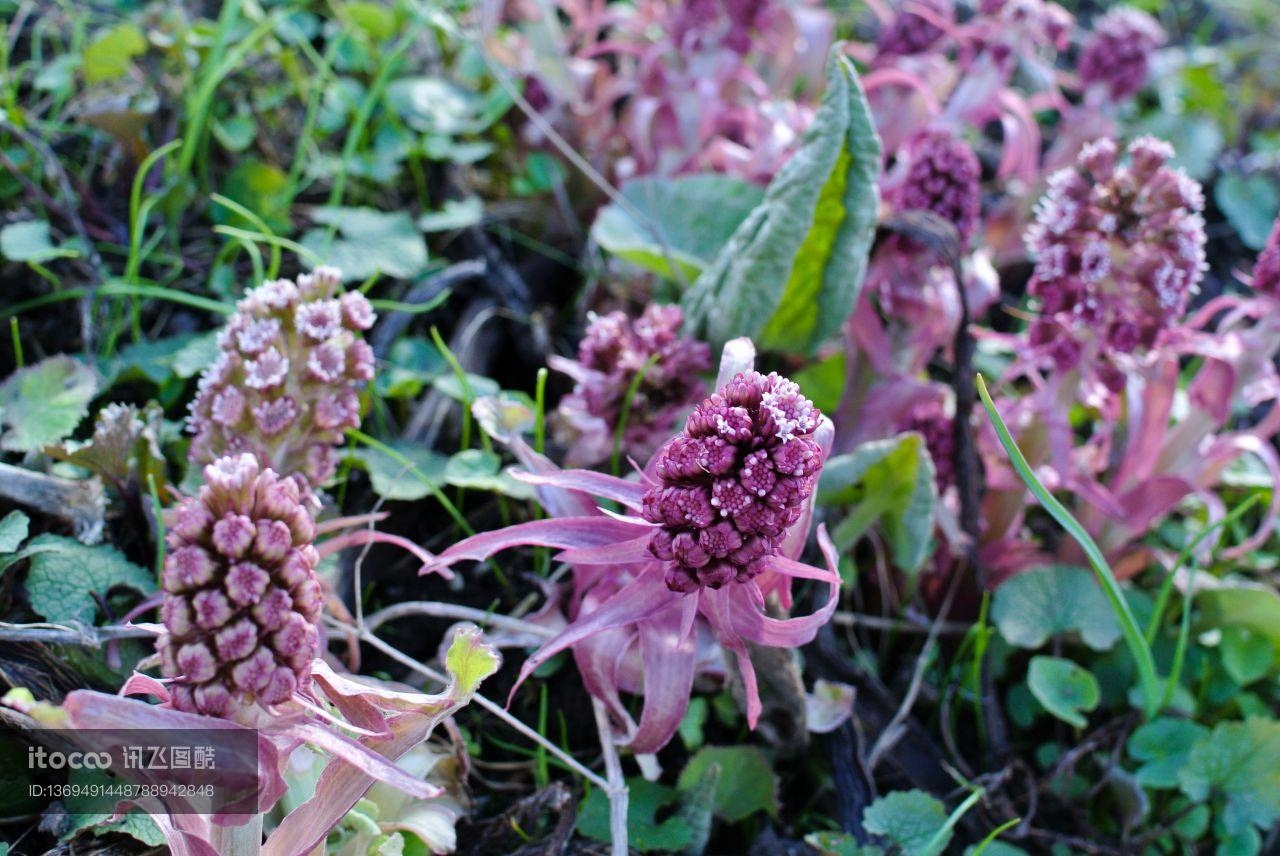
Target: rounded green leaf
x=1043, y=602
x=1064, y=688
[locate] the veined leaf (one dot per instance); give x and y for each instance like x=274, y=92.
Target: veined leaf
x=791, y=272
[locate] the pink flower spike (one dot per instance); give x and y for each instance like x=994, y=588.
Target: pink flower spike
x=716, y=533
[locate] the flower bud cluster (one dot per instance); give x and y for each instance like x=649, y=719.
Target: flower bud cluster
x=285, y=385
x=241, y=598
x=613, y=352
x=941, y=177
x=1117, y=54
x=938, y=428
x=910, y=32
x=1119, y=251
x=733, y=482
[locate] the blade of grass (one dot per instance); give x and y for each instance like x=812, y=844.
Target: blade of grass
x=615, y=460
x=1133, y=637
x=1166, y=589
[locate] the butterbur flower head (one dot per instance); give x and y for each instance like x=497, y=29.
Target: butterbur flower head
x=917, y=25
x=285, y=384
x=709, y=535
x=241, y=598
x=931, y=420
x=733, y=482
x=613, y=352
x=1119, y=252
x=941, y=176
x=1116, y=56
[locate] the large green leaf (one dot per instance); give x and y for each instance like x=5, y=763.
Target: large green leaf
x=686, y=221
x=65, y=576
x=746, y=784
x=43, y=403
x=1044, y=602
x=644, y=832
x=370, y=242
x=791, y=272
x=1241, y=762
x=890, y=482
x=909, y=819
x=1064, y=688
x=1163, y=745
x=1253, y=607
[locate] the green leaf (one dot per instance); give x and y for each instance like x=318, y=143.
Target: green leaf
x=908, y=819
x=371, y=242
x=45, y=402
x=684, y=223
x=480, y=470
x=393, y=478
x=1240, y=761
x=109, y=55
x=13, y=531
x=260, y=187
x=644, y=833
x=1064, y=688
x=840, y=844
x=1247, y=656
x=376, y=19
x=29, y=241
x=1162, y=746
x=1043, y=602
x=196, y=355
x=411, y=364
x=479, y=386
x=456, y=214
x=434, y=105
x=470, y=660
x=1250, y=204
x=64, y=575
x=890, y=482
x=747, y=784
x=1253, y=607
x=823, y=382
x=791, y=272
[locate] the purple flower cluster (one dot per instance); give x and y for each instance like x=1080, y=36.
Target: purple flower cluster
x=930, y=419
x=916, y=27
x=1116, y=56
x=241, y=598
x=942, y=175
x=733, y=482
x=285, y=385
x=1119, y=251
x=613, y=352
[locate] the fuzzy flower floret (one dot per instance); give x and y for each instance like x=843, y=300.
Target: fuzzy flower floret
x=1119, y=252
x=1117, y=55
x=241, y=598
x=614, y=351
x=286, y=383
x=734, y=482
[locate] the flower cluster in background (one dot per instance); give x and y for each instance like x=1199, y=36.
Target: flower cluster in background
x=285, y=386
x=1119, y=251
x=641, y=370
